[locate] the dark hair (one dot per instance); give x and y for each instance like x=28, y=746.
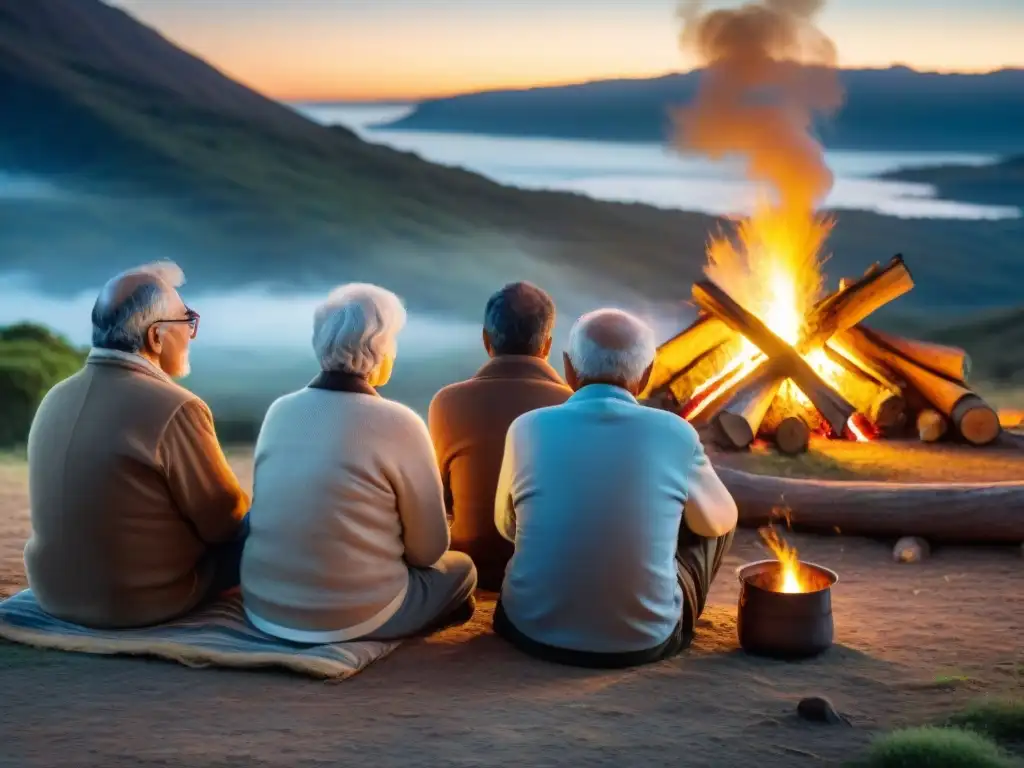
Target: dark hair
x=519, y=319
x=123, y=326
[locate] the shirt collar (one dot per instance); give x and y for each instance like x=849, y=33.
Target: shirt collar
x=603, y=392
x=518, y=367
x=127, y=359
x=340, y=381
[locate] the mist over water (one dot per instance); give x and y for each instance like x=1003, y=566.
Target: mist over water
x=653, y=174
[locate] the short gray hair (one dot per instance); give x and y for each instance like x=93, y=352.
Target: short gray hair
x=356, y=328
x=611, y=345
x=121, y=322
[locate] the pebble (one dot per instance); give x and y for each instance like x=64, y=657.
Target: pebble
x=818, y=709
x=910, y=549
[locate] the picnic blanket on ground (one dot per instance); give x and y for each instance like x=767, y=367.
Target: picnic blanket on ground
x=217, y=635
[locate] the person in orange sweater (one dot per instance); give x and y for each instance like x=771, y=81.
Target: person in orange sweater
x=468, y=420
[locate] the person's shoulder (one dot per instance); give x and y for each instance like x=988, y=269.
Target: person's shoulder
x=538, y=418
x=670, y=424
x=393, y=415
x=451, y=393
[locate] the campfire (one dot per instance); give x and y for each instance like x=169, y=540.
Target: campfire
x=770, y=354
x=772, y=369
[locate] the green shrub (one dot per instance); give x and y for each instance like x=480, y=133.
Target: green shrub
x=931, y=747
x=32, y=361
x=1001, y=720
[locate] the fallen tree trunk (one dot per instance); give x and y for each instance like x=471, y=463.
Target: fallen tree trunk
x=955, y=513
x=681, y=352
x=973, y=419
x=951, y=362
x=833, y=407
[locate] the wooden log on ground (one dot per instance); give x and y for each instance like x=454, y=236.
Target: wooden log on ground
x=972, y=418
x=931, y=425
x=792, y=436
x=951, y=362
x=954, y=513
x=835, y=409
x=855, y=301
x=737, y=423
x=679, y=353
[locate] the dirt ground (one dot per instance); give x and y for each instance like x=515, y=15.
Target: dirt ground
x=913, y=643
x=907, y=461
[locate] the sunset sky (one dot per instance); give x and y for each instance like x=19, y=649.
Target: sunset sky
x=410, y=49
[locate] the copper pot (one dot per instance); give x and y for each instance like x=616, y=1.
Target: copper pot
x=785, y=625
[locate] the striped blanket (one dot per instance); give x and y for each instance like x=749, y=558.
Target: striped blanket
x=215, y=636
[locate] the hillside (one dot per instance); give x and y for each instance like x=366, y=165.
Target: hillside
x=1000, y=183
x=890, y=109
x=153, y=153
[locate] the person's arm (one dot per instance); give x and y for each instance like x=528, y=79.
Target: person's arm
x=710, y=509
x=504, y=510
x=202, y=484
x=439, y=437
x=420, y=498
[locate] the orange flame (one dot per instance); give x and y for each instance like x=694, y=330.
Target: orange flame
x=791, y=580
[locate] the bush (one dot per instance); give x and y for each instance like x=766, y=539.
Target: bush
x=32, y=361
x=930, y=747
x=998, y=719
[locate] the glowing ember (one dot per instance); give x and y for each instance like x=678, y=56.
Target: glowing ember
x=792, y=580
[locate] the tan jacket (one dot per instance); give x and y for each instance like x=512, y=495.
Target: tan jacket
x=468, y=422
x=128, y=488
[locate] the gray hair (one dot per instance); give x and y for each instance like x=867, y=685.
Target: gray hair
x=518, y=319
x=356, y=328
x=611, y=345
x=121, y=322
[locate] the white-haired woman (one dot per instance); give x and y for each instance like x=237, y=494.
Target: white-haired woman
x=348, y=537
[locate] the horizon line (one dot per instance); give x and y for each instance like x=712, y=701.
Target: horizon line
x=402, y=100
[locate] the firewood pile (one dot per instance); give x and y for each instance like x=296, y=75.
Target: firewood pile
x=843, y=380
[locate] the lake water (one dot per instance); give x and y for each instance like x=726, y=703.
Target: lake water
x=653, y=174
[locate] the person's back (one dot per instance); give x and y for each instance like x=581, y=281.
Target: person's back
x=348, y=537
x=594, y=493
x=128, y=489
x=469, y=420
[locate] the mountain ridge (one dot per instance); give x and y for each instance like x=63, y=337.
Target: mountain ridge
x=891, y=108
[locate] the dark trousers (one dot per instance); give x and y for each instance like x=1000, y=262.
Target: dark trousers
x=698, y=561
x=227, y=563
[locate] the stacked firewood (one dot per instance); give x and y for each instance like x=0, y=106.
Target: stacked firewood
x=891, y=384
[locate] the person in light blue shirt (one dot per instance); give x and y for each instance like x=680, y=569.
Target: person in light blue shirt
x=619, y=521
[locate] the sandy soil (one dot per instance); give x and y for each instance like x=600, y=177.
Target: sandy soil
x=913, y=643
x=893, y=460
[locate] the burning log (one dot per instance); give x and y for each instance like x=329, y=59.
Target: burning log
x=931, y=425
x=792, y=436
x=855, y=301
x=680, y=353
x=973, y=419
x=832, y=406
x=951, y=362
x=883, y=405
x=738, y=422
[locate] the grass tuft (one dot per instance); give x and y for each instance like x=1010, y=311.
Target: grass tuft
x=1001, y=720
x=930, y=747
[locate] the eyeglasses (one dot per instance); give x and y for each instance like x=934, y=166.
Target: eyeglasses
x=191, y=317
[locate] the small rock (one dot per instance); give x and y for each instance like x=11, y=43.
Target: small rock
x=910, y=549
x=818, y=709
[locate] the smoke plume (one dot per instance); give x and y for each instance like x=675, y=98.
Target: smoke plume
x=768, y=70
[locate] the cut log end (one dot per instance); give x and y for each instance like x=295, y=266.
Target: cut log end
x=732, y=431
x=931, y=426
x=976, y=421
x=888, y=411
x=792, y=436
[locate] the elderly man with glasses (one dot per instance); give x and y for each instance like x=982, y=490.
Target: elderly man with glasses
x=136, y=516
